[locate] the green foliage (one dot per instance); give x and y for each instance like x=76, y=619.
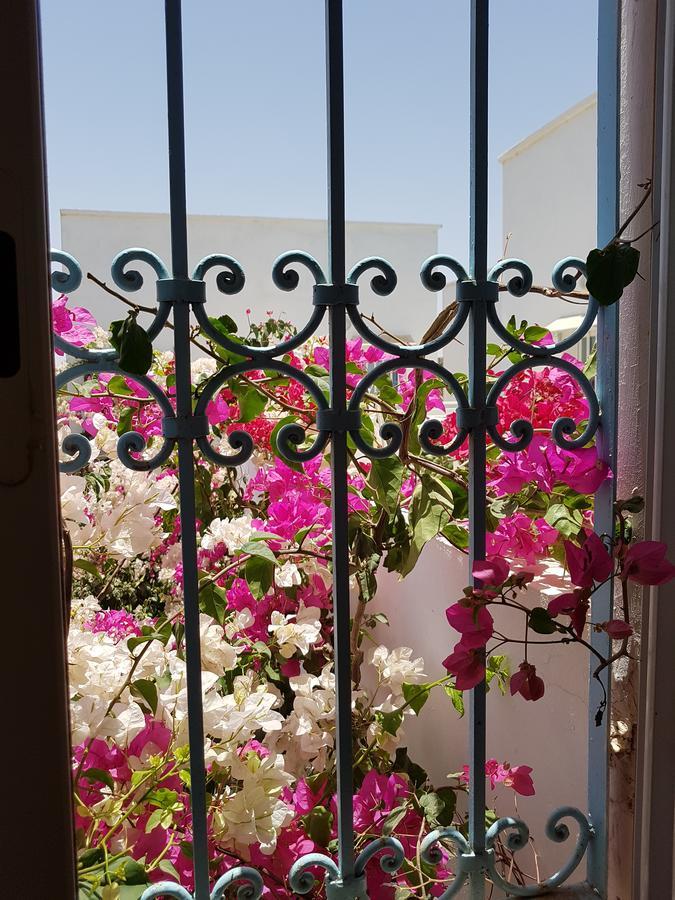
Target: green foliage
x=132, y=344
x=539, y=620
x=610, y=270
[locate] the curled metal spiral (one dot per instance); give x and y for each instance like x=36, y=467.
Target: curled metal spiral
x=67, y=283
x=431, y=854
x=301, y=879
x=289, y=437
x=132, y=280
x=250, y=883
x=564, y=278
x=385, y=283
x=166, y=889
x=231, y=280
x=393, y=855
x=518, y=836
x=129, y=443
x=391, y=432
x=563, y=427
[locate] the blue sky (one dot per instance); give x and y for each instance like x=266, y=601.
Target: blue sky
x=254, y=81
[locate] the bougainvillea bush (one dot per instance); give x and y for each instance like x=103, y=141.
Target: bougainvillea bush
x=266, y=620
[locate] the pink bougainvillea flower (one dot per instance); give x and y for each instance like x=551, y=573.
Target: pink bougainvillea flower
x=492, y=571
x=467, y=664
x=590, y=562
x=474, y=623
x=75, y=325
x=575, y=605
x=646, y=563
x=527, y=683
x=519, y=778
x=618, y=629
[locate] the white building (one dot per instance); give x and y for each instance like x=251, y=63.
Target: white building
x=549, y=205
x=94, y=237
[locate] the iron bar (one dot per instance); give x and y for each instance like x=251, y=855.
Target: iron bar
x=186, y=475
x=609, y=17
x=477, y=388
x=338, y=455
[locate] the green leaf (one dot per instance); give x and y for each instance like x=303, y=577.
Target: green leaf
x=118, y=385
x=213, y=602
x=416, y=695
x=394, y=818
x=591, y=365
x=132, y=344
x=534, y=333
x=167, y=866
x=318, y=825
x=457, y=535
x=124, y=422
x=90, y=857
x=390, y=721
x=99, y=775
x=610, y=270
x=134, y=873
x=161, y=631
x=145, y=690
x=430, y=511
x=498, y=667
x=457, y=698
x=87, y=566
x=258, y=548
x=228, y=324
x=539, y=620
x=251, y=404
x=386, y=478
x=259, y=575
x=287, y=420
x=568, y=522
x=403, y=763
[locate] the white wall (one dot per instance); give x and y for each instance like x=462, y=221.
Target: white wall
x=549, y=735
x=549, y=211
x=549, y=205
x=95, y=237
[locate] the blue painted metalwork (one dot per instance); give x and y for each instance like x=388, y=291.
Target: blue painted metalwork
x=335, y=297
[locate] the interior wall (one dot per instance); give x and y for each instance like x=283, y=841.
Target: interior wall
x=37, y=833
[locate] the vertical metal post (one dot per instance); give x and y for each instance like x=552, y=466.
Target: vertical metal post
x=186, y=477
x=606, y=388
x=338, y=456
x=477, y=364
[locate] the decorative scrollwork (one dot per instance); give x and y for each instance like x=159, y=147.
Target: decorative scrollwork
x=232, y=280
x=431, y=854
x=132, y=280
x=556, y=830
x=564, y=278
x=563, y=427
x=391, y=432
x=129, y=443
x=393, y=856
x=250, y=884
x=289, y=437
x=382, y=284
x=67, y=283
x=385, y=283
x=517, y=285
x=301, y=879
x=166, y=889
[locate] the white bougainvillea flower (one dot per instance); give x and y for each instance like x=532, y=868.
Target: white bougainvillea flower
x=295, y=632
x=234, y=533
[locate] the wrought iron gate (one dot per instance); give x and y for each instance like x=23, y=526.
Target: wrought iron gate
x=182, y=294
